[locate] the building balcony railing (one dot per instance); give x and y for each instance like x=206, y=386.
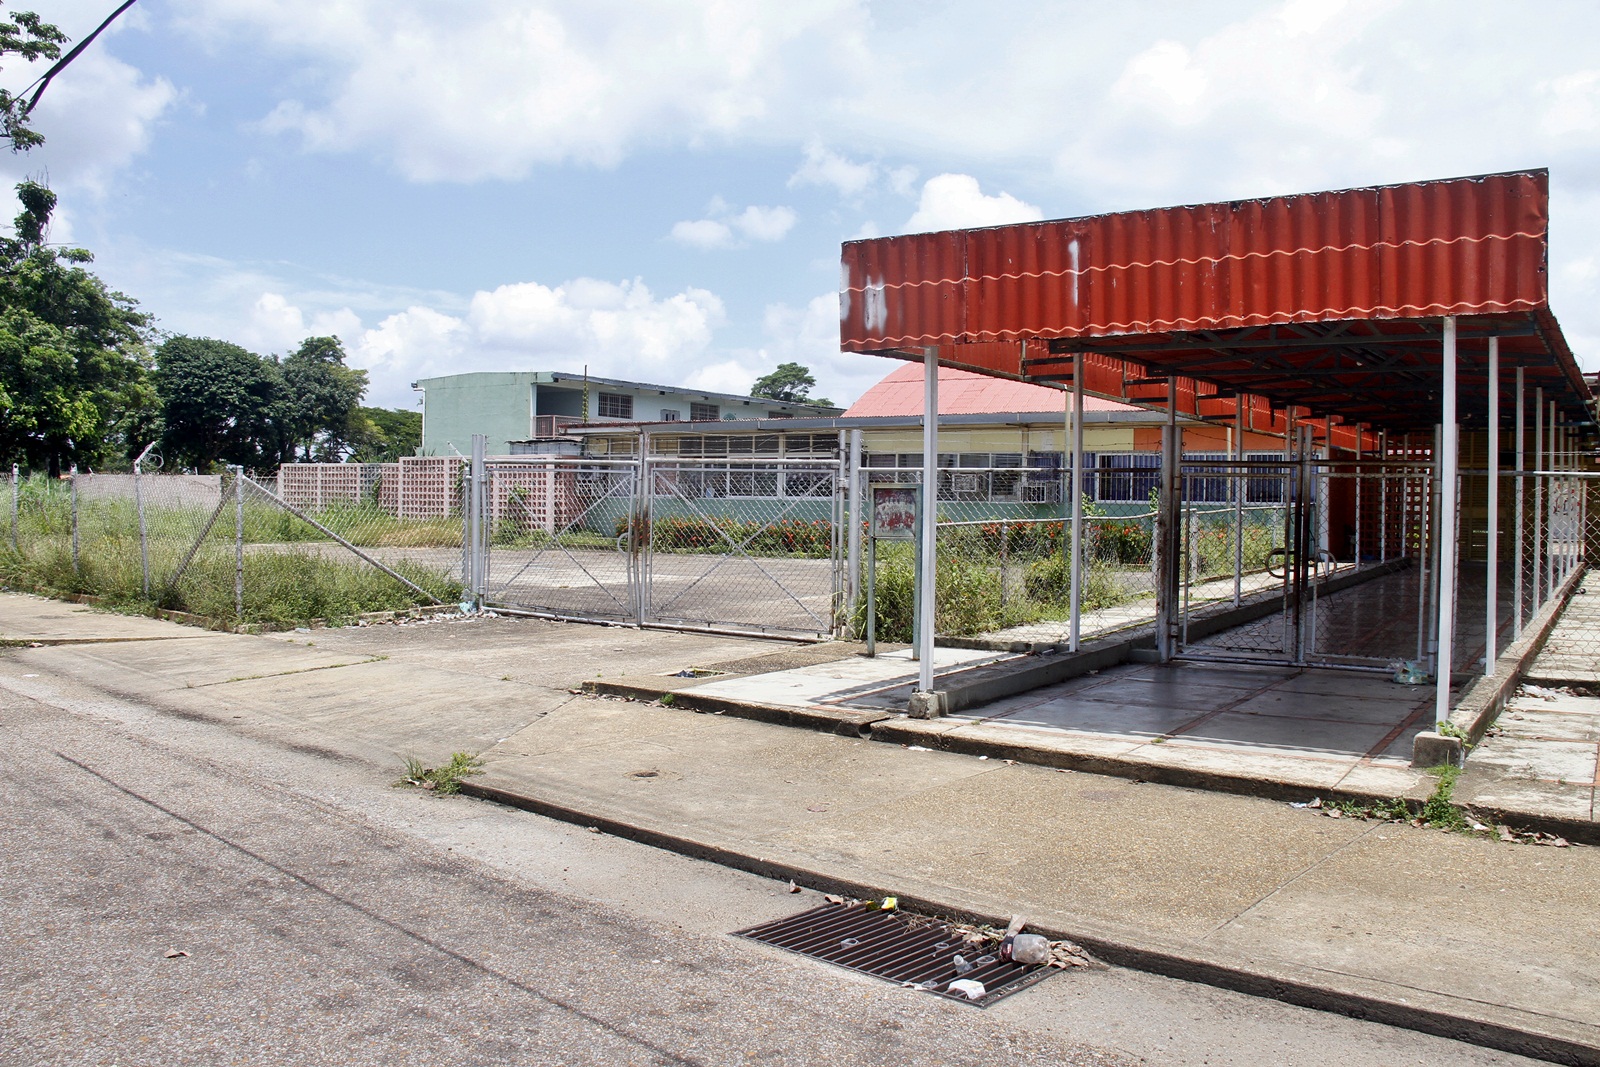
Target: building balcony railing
x=553, y=425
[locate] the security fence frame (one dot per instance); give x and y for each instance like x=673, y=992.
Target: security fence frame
x=224, y=547
x=751, y=544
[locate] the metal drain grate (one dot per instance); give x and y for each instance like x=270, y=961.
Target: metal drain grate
x=910, y=950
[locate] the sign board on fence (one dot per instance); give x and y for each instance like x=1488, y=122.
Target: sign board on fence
x=894, y=511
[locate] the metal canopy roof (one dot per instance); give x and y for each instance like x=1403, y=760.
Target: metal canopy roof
x=1329, y=302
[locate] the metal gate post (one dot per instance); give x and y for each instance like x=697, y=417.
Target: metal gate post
x=927, y=577
x=478, y=505
x=852, y=472
x=15, y=483
x=144, y=533
x=73, y=484
x=1437, y=532
x=1166, y=532
x=641, y=532
x=1492, y=555
x=1538, y=500
x=1302, y=569
x=238, y=543
x=1447, y=526
x=1075, y=486
x=1383, y=496
x=1517, y=516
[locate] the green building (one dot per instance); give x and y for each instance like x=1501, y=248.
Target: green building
x=512, y=408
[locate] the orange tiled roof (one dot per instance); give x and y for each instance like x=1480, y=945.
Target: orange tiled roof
x=965, y=393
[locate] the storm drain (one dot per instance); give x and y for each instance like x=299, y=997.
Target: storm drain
x=911, y=950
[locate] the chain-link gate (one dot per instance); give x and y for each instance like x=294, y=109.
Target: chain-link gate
x=1322, y=562
x=751, y=544
x=559, y=537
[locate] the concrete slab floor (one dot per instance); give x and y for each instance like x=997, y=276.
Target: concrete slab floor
x=1337, y=717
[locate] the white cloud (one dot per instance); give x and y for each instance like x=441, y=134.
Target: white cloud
x=416, y=342
x=809, y=335
x=503, y=85
x=955, y=201
x=276, y=325
x=754, y=223
x=823, y=166
x=619, y=329
x=622, y=329
x=96, y=117
x=765, y=223
x=703, y=233
x=1574, y=104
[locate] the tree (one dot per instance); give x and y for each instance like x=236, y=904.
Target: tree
x=27, y=36
x=383, y=435
x=220, y=403
x=74, y=355
x=321, y=394
x=790, y=383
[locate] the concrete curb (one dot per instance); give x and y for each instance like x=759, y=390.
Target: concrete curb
x=1503, y=1029
x=846, y=723
x=938, y=734
x=909, y=732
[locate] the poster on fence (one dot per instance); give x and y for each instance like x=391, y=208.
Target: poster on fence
x=894, y=512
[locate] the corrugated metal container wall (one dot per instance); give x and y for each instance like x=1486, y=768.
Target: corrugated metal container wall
x=1407, y=251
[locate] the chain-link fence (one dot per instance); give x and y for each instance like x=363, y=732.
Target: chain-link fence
x=1003, y=569
x=557, y=538
x=750, y=544
x=224, y=547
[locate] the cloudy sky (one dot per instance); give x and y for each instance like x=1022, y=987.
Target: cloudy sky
x=658, y=189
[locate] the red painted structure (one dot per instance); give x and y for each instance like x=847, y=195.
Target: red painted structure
x=1330, y=303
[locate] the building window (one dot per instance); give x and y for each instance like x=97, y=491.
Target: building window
x=1206, y=476
x=616, y=406
x=1129, y=477
x=669, y=414
x=1265, y=485
x=704, y=412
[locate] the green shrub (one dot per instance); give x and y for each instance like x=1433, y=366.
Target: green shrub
x=807, y=538
x=968, y=599
x=1048, y=582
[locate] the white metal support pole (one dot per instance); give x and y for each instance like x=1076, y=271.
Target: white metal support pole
x=238, y=544
x=1550, y=505
x=1567, y=505
x=73, y=483
x=1360, y=470
x=1076, y=607
x=1517, y=516
x=853, y=541
x=930, y=516
x=476, y=503
x=1166, y=531
x=1238, y=481
x=1447, y=524
x=1383, y=497
x=1538, y=501
x=1492, y=563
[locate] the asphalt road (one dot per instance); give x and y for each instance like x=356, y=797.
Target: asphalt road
x=330, y=918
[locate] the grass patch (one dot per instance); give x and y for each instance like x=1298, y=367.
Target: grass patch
x=293, y=574
x=1391, y=810
x=1439, y=810
x=445, y=780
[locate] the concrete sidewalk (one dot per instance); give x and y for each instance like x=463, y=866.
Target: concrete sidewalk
x=1468, y=937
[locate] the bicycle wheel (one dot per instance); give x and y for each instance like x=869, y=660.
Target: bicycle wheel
x=1278, y=562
